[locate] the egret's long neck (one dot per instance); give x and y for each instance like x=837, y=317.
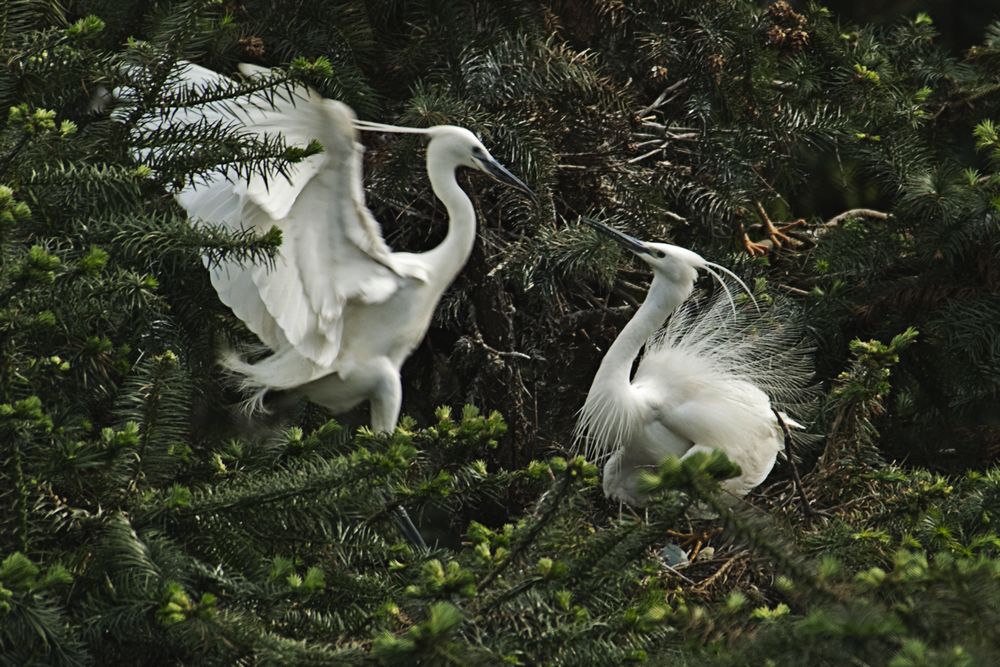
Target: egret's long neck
x=663, y=298
x=451, y=254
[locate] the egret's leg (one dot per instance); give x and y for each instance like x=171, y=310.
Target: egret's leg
x=386, y=400
x=385, y=405
x=406, y=527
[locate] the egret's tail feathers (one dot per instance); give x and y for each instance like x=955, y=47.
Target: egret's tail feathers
x=282, y=370
x=243, y=372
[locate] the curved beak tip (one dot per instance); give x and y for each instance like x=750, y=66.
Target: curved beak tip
x=503, y=175
x=628, y=242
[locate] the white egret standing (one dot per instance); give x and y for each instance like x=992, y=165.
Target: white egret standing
x=339, y=310
x=703, y=382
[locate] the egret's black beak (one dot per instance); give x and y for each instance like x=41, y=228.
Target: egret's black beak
x=628, y=242
x=500, y=173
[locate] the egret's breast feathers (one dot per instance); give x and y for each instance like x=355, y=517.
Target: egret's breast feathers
x=608, y=421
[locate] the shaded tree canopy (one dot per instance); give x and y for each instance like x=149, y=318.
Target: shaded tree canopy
x=146, y=521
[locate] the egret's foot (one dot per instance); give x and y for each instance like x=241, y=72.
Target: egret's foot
x=693, y=541
x=753, y=248
x=778, y=236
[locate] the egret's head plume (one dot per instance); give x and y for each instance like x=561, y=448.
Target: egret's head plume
x=455, y=147
x=369, y=126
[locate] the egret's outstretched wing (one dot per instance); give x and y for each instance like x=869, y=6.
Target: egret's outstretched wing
x=332, y=250
x=216, y=204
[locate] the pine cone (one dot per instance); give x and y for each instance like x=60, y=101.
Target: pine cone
x=658, y=72
x=252, y=46
x=776, y=35
x=779, y=11
x=716, y=63
x=798, y=40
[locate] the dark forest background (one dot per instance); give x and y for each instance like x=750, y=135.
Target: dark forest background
x=145, y=520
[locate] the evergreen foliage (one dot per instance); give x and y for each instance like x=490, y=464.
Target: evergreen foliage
x=143, y=520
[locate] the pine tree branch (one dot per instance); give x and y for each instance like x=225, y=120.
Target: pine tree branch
x=561, y=491
x=7, y=159
x=855, y=213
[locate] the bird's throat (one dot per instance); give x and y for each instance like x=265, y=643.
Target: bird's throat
x=451, y=254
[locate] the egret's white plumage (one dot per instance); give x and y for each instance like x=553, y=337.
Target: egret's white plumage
x=707, y=380
x=339, y=310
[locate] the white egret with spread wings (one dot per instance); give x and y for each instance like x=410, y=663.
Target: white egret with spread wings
x=339, y=310
x=706, y=381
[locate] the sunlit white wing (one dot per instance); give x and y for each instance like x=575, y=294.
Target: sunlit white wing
x=696, y=402
x=233, y=281
x=332, y=250
x=715, y=412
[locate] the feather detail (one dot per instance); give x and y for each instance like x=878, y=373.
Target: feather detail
x=282, y=370
x=760, y=343
x=606, y=421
